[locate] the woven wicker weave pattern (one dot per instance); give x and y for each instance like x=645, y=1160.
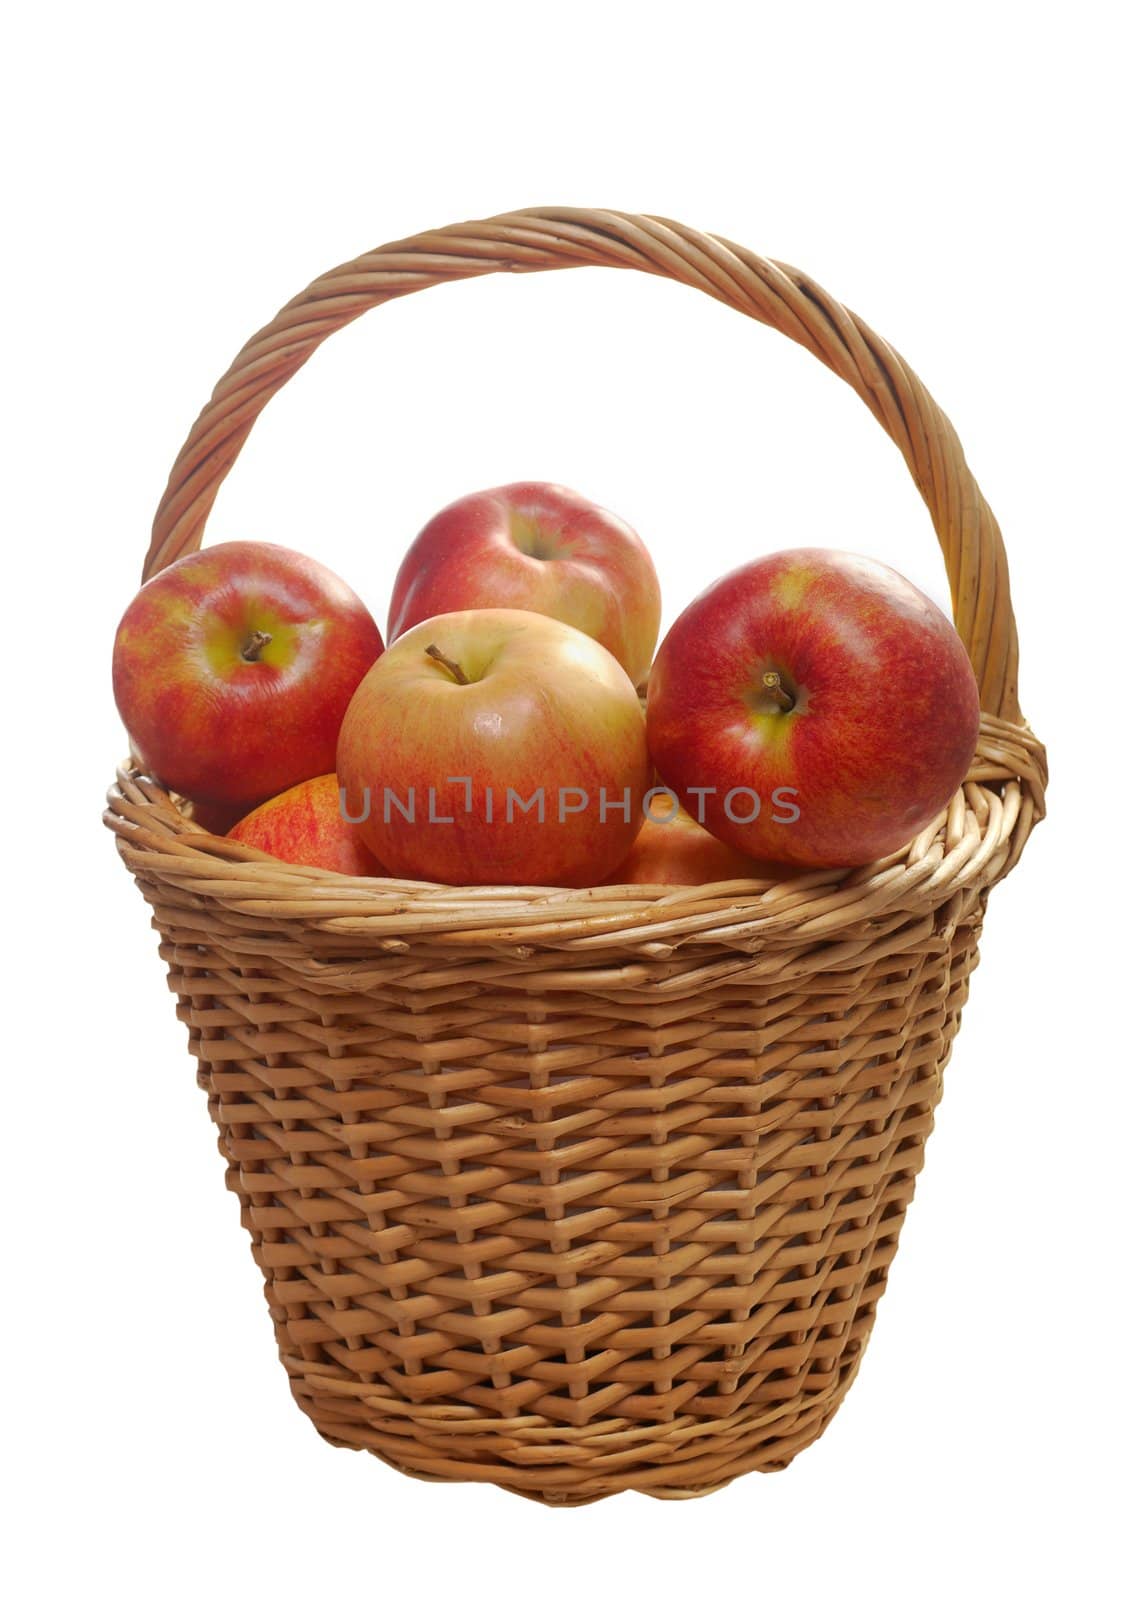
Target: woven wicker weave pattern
x=583, y=1191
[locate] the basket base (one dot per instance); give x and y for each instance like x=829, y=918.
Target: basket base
x=557, y=1465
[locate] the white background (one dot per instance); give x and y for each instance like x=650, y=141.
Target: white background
x=173, y=175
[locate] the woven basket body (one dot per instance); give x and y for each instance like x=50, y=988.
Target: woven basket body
x=579, y=1191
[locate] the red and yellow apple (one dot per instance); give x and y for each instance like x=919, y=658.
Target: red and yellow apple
x=821, y=708
x=535, y=547
x=233, y=668
x=495, y=746
x=305, y=825
x=672, y=848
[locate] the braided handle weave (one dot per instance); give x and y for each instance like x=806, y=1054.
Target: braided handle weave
x=550, y=237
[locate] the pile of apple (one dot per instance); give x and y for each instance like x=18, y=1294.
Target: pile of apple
x=811, y=709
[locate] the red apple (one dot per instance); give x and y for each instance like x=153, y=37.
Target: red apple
x=672, y=848
x=535, y=547
x=496, y=747
x=305, y=825
x=827, y=707
x=233, y=668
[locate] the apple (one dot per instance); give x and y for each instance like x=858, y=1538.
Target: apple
x=305, y=825
x=672, y=848
x=819, y=705
x=496, y=746
x=233, y=668
x=535, y=547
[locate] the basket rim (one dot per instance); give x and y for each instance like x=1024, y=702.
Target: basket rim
x=976, y=840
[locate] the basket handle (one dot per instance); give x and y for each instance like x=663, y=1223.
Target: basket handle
x=549, y=237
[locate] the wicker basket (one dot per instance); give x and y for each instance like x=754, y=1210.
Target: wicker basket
x=576, y=1192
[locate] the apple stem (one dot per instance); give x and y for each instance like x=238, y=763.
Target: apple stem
x=454, y=667
x=255, y=645
x=772, y=683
